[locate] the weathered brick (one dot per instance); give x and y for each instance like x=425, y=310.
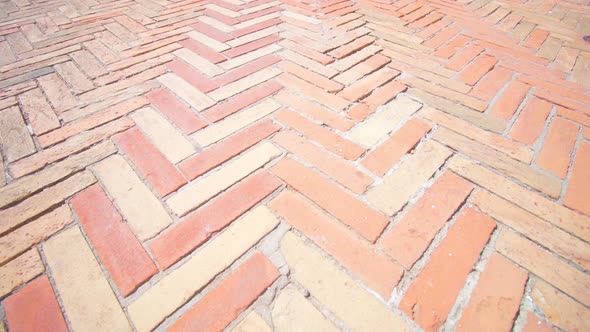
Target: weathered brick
x=496, y=298
x=14, y=137
x=38, y=112
x=347, y=300
x=366, y=221
x=252, y=323
x=559, y=309
x=234, y=294
x=577, y=193
x=195, y=98
x=20, y=270
x=180, y=285
x=535, y=324
x=292, y=311
x=85, y=294
x=34, y=308
x=558, y=147
x=431, y=296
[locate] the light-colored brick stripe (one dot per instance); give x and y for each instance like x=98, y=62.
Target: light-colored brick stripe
x=85, y=293
x=180, y=285
x=357, y=308
x=144, y=213
x=294, y=312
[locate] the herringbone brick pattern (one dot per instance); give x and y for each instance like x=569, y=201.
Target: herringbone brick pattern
x=294, y=165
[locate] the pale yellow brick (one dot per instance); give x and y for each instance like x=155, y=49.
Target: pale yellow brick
x=348, y=301
x=144, y=213
x=260, y=7
x=230, y=125
x=247, y=82
x=257, y=20
x=398, y=187
x=16, y=215
x=15, y=139
x=251, y=56
x=300, y=17
x=24, y=186
x=195, y=98
x=292, y=312
x=86, y=296
x=353, y=59
x=222, y=10
x=206, y=188
x=216, y=24
x=16, y=242
x=559, y=309
x=20, y=270
x=388, y=118
x=308, y=63
x=180, y=285
x=252, y=323
x=208, y=41
x=163, y=135
x=200, y=63
x=253, y=36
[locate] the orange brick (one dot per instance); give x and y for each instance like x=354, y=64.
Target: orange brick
x=243, y=100
x=201, y=163
x=431, y=296
x=464, y=57
x=346, y=50
x=34, y=308
x=325, y=137
x=411, y=236
x=536, y=39
x=183, y=238
x=192, y=76
x=496, y=298
x=150, y=161
x=535, y=324
x=578, y=191
x=365, y=86
x=316, y=111
x=310, y=76
x=233, y=295
x=531, y=121
x=453, y=46
x=558, y=146
x=475, y=71
x=385, y=93
x=380, y=160
x=366, y=221
x=442, y=37
x=356, y=254
x=176, y=111
x=510, y=100
x=122, y=254
x=490, y=85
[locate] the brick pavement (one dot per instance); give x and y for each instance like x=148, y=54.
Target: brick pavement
x=294, y=165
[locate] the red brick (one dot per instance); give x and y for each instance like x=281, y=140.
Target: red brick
x=365, y=86
x=490, y=85
x=233, y=295
x=361, y=111
x=251, y=46
x=380, y=160
x=366, y=221
x=212, y=32
x=183, y=238
x=496, y=298
x=411, y=236
x=578, y=191
x=452, y=47
x=176, y=111
x=310, y=76
x=256, y=27
x=249, y=68
x=151, y=163
x=34, y=308
x=431, y=296
x=192, y=76
x=357, y=255
x=461, y=59
x=510, y=100
x=531, y=121
x=203, y=50
x=442, y=37
x=247, y=98
x=315, y=111
x=122, y=254
x=558, y=147
x=201, y=163
x=535, y=324
x=385, y=93
x=325, y=137
x=536, y=39
x=475, y=71
x=344, y=173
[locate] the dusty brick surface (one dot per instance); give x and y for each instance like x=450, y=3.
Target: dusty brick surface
x=270, y=165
